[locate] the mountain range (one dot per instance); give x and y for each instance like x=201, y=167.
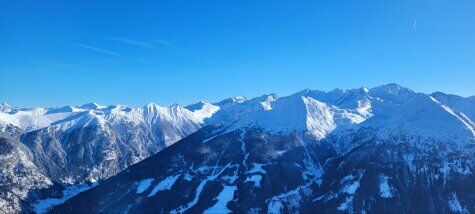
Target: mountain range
x=384, y=149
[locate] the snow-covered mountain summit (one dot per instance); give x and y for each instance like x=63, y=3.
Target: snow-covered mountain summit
x=377, y=150
x=91, y=142
x=317, y=112
x=67, y=117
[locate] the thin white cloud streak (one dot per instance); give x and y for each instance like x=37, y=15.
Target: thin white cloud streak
x=165, y=43
x=86, y=47
x=415, y=23
x=132, y=42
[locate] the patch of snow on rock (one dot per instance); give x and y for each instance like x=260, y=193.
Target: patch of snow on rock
x=351, y=188
x=454, y=204
x=42, y=206
x=223, y=198
x=165, y=184
x=385, y=191
x=346, y=205
x=257, y=167
x=144, y=185
x=256, y=179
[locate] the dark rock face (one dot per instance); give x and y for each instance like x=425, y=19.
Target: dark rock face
x=18, y=175
x=399, y=176
x=249, y=170
x=38, y=164
x=88, y=153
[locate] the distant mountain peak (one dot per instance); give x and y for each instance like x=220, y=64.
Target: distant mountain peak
x=352, y=106
x=239, y=99
x=231, y=100
x=364, y=90
x=392, y=89
x=92, y=106
x=5, y=107
x=151, y=105
x=267, y=125
x=303, y=92
x=176, y=105
x=197, y=106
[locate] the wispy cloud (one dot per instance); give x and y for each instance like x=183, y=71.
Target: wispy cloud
x=132, y=42
x=166, y=43
x=415, y=24
x=100, y=50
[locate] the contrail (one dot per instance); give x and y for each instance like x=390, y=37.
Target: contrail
x=132, y=42
x=86, y=47
x=414, y=25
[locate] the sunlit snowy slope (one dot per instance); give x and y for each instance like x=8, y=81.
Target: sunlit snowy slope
x=386, y=149
x=355, y=150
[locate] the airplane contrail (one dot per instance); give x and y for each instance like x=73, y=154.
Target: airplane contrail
x=86, y=47
x=415, y=22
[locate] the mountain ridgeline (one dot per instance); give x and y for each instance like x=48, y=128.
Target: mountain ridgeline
x=384, y=149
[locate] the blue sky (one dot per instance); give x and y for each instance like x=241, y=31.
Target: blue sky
x=56, y=53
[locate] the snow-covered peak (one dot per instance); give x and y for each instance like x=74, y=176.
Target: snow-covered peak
x=287, y=114
x=303, y=92
x=231, y=101
x=151, y=106
x=267, y=100
x=196, y=106
x=460, y=104
x=295, y=113
x=392, y=93
x=319, y=121
x=424, y=116
x=31, y=119
x=64, y=109
x=175, y=116
x=239, y=99
x=165, y=111
x=364, y=90
x=202, y=110
x=69, y=117
x=353, y=99
x=5, y=107
x=391, y=88
x=388, y=107
x=452, y=98
x=317, y=112
x=92, y=106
